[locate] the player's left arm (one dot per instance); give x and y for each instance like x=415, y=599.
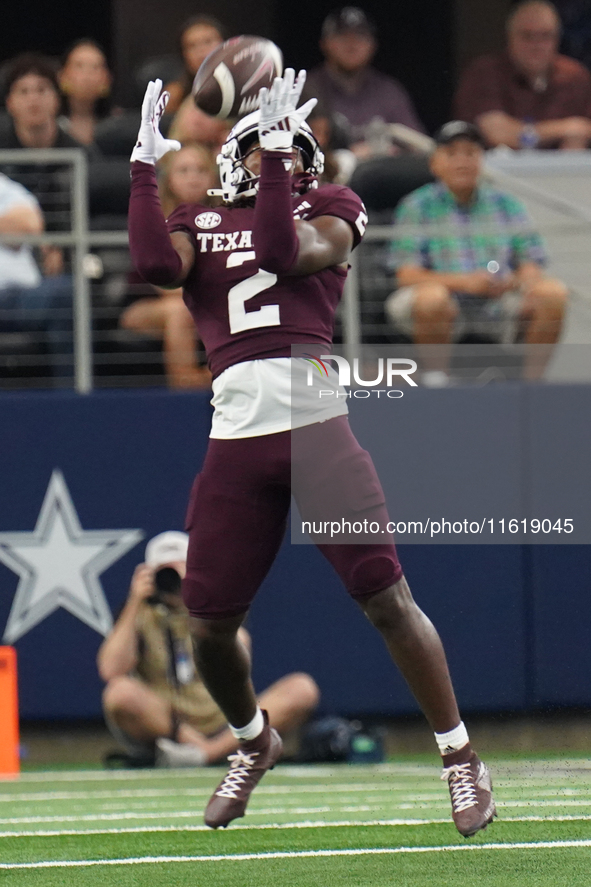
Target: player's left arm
x=282, y=245
x=323, y=242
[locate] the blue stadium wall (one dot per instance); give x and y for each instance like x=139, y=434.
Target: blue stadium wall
x=515, y=619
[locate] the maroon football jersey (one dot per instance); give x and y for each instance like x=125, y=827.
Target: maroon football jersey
x=243, y=312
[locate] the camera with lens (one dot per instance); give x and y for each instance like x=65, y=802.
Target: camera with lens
x=167, y=581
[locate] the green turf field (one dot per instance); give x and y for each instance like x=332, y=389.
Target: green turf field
x=348, y=826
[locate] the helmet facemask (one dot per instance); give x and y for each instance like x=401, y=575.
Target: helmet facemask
x=240, y=183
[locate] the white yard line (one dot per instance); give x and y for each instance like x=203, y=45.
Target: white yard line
x=204, y=828
x=440, y=807
x=319, y=789
x=305, y=824
x=403, y=793
x=386, y=806
x=184, y=814
x=296, y=854
x=567, y=802
x=551, y=769
x=291, y=771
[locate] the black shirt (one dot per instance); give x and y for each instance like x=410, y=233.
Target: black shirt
x=49, y=182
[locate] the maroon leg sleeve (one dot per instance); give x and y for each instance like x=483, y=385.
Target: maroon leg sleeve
x=274, y=235
x=236, y=522
x=152, y=252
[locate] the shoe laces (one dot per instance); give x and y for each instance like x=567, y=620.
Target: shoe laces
x=461, y=785
x=240, y=765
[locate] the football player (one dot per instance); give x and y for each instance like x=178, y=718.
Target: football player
x=261, y=273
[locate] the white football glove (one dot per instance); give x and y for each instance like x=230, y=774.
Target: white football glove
x=280, y=118
x=151, y=144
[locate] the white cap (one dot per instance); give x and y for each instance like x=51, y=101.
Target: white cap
x=166, y=548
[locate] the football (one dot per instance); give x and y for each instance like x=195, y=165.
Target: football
x=228, y=82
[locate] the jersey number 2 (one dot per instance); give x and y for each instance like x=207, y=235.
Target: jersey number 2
x=238, y=296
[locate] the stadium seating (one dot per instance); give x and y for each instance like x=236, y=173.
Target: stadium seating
x=116, y=136
x=381, y=183
x=108, y=188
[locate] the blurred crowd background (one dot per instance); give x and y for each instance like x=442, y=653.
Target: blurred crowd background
x=389, y=78
x=75, y=79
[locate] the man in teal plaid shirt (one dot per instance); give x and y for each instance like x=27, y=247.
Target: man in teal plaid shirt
x=467, y=259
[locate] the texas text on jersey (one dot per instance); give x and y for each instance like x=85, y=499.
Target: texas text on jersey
x=243, y=312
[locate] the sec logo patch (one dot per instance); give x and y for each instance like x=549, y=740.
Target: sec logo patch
x=208, y=220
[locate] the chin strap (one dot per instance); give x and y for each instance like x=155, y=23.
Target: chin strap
x=301, y=182
x=304, y=181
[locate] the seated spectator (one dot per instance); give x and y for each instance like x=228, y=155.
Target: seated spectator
x=529, y=96
x=33, y=101
x=85, y=82
x=28, y=301
x=186, y=176
x=469, y=261
x=347, y=84
x=200, y=35
x=339, y=162
x=155, y=702
x=191, y=124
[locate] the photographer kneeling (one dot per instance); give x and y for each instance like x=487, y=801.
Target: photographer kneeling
x=155, y=703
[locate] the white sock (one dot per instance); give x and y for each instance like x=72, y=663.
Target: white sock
x=251, y=730
x=452, y=741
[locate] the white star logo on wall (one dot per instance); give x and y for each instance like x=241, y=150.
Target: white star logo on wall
x=59, y=564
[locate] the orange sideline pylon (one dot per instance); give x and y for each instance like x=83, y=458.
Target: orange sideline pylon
x=9, y=742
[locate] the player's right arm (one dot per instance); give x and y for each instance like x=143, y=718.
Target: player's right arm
x=161, y=259
x=185, y=249
x=118, y=654
x=322, y=242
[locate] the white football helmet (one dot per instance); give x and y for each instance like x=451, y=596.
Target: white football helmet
x=238, y=182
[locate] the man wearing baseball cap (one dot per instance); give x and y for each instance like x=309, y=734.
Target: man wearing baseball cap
x=348, y=85
x=154, y=701
x=467, y=258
